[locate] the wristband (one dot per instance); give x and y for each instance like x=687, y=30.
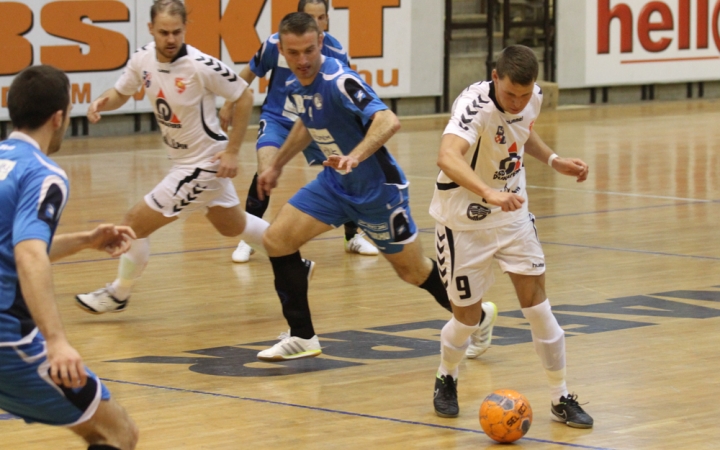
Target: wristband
x=551, y=159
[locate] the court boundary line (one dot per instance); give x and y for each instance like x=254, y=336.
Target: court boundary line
x=337, y=411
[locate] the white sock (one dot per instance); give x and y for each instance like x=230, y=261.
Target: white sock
x=454, y=339
x=254, y=229
x=549, y=340
x=132, y=265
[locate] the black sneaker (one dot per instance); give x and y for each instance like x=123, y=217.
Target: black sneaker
x=445, y=400
x=569, y=412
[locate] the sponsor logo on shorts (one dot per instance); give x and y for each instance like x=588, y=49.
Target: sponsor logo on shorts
x=535, y=265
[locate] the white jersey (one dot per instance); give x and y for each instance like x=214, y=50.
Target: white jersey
x=182, y=93
x=497, y=142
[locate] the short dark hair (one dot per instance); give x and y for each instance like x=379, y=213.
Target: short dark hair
x=36, y=94
x=172, y=7
x=298, y=23
x=519, y=63
x=302, y=3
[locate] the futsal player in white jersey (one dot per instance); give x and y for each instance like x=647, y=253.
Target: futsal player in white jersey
x=481, y=208
x=182, y=84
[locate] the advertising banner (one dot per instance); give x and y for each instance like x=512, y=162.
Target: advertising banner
x=395, y=45
x=625, y=42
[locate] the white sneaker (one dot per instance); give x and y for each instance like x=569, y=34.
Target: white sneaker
x=101, y=301
x=310, y=266
x=359, y=245
x=242, y=253
x=291, y=347
x=480, y=339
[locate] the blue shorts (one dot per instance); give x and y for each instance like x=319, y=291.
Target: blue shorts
x=387, y=220
x=272, y=133
x=27, y=391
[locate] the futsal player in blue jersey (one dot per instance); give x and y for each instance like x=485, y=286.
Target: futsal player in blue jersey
x=277, y=118
x=361, y=182
x=42, y=377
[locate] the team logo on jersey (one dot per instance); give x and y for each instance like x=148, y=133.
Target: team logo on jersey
x=180, y=85
x=6, y=166
x=318, y=101
x=477, y=212
x=357, y=93
x=500, y=135
x=164, y=113
x=147, y=76
x=510, y=166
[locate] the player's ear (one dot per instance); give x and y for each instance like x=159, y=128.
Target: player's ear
x=58, y=118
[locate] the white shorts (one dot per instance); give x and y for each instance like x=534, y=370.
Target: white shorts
x=465, y=257
x=186, y=189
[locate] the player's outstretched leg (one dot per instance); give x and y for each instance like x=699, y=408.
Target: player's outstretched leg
x=549, y=340
x=115, y=296
x=257, y=208
x=356, y=243
x=292, y=274
x=481, y=338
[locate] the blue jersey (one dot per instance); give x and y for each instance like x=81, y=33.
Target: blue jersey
x=336, y=108
x=268, y=58
x=33, y=193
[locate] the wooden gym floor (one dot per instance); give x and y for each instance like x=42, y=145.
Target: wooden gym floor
x=633, y=259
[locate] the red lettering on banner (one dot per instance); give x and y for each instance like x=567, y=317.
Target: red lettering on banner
x=702, y=23
x=621, y=12
x=715, y=17
x=366, y=25
x=108, y=49
x=16, y=19
x=645, y=26
x=684, y=24
x=207, y=28
x=657, y=15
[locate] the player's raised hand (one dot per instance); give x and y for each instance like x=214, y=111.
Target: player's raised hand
x=573, y=167
x=112, y=239
x=505, y=200
x=66, y=365
x=341, y=162
x=228, y=164
x=93, y=112
x=267, y=181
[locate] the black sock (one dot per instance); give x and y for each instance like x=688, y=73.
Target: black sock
x=102, y=447
x=253, y=205
x=351, y=229
x=435, y=286
x=291, y=284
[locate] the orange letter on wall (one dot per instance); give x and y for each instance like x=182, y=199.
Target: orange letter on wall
x=16, y=19
x=366, y=25
x=109, y=50
x=281, y=8
x=236, y=27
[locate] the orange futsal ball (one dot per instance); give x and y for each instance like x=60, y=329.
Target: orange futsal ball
x=505, y=415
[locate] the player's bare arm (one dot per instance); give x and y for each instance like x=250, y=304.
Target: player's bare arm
x=298, y=139
x=228, y=108
x=109, y=238
x=240, y=121
x=453, y=163
x=33, y=266
x=384, y=125
x=110, y=100
x=573, y=167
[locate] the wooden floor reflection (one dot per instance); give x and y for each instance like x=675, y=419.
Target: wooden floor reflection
x=633, y=259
